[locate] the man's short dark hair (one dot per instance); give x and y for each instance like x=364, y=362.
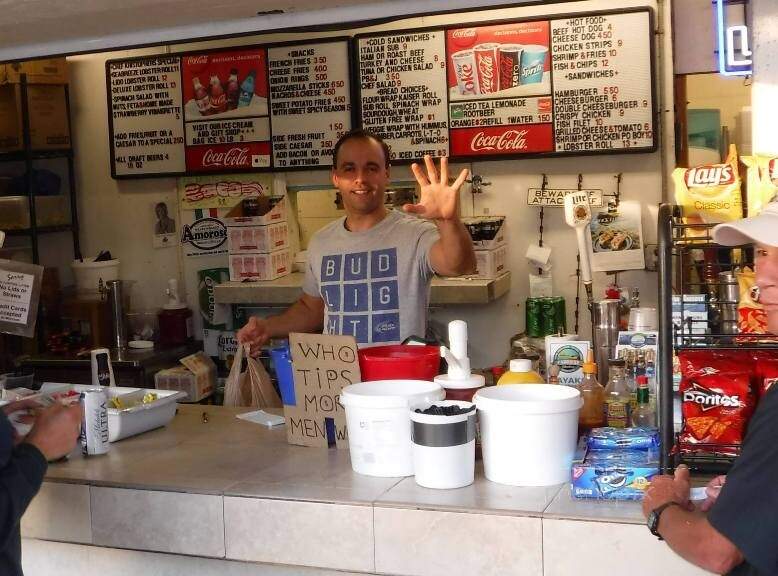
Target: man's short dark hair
x=359, y=134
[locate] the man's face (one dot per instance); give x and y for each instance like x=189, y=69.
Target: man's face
x=361, y=176
x=767, y=280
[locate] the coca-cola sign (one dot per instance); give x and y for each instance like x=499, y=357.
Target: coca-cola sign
x=511, y=140
x=195, y=60
x=232, y=158
x=464, y=33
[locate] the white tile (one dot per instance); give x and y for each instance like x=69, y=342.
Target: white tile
x=426, y=543
x=158, y=521
x=59, y=512
x=305, y=533
x=565, y=507
x=595, y=548
x=41, y=558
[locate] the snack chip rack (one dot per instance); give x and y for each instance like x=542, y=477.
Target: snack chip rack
x=698, y=309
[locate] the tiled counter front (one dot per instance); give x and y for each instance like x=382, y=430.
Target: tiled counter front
x=217, y=496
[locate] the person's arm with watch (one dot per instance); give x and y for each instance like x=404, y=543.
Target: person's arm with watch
x=671, y=517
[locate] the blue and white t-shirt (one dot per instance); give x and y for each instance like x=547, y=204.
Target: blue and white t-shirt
x=375, y=284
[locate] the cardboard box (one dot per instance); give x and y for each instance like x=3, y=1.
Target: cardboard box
x=491, y=263
x=487, y=232
x=49, y=122
x=197, y=377
x=257, y=239
x=260, y=267
x=44, y=71
x=270, y=210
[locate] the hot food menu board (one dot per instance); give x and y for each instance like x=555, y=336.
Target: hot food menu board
x=572, y=85
x=230, y=110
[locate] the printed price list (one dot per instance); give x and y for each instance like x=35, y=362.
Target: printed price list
x=403, y=92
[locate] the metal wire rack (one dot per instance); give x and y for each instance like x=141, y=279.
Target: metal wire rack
x=698, y=309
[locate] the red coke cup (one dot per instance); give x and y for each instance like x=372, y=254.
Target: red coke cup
x=487, y=67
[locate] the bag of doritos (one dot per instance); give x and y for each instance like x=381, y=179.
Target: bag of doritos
x=710, y=193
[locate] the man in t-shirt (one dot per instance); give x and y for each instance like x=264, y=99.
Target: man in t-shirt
x=368, y=273
x=736, y=530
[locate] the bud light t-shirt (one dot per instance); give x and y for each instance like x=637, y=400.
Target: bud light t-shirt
x=375, y=283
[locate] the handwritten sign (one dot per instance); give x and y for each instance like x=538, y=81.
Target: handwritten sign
x=19, y=292
x=322, y=366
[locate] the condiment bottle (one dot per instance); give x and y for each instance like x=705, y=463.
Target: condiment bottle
x=592, y=414
x=617, y=397
x=521, y=372
x=644, y=415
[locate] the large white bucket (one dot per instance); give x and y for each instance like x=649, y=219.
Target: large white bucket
x=379, y=424
x=89, y=273
x=528, y=433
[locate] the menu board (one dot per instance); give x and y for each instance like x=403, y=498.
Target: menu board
x=226, y=110
x=145, y=102
x=602, y=82
x=402, y=79
x=310, y=95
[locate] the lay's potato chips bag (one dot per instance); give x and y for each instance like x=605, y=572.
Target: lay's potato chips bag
x=711, y=193
x=761, y=181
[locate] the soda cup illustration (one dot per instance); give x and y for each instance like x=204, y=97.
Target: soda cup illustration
x=510, y=65
x=487, y=67
x=464, y=67
x=533, y=62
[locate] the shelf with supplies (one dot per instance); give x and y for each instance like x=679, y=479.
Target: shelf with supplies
x=700, y=296
x=287, y=289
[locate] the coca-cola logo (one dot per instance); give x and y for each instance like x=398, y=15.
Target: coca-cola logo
x=486, y=72
x=708, y=399
x=195, y=60
x=232, y=158
x=710, y=175
x=508, y=140
x=464, y=33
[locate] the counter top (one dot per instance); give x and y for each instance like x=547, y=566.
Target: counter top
x=221, y=487
x=287, y=289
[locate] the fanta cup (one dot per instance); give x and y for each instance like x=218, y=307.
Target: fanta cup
x=520, y=372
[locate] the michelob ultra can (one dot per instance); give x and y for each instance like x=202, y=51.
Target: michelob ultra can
x=94, y=422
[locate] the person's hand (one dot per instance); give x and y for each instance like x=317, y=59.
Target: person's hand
x=30, y=408
x=255, y=333
x=438, y=201
x=712, y=491
x=667, y=488
x=56, y=430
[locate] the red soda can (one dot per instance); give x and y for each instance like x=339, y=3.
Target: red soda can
x=510, y=65
x=487, y=67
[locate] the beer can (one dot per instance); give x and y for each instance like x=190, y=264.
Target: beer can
x=533, y=317
x=94, y=422
x=548, y=317
x=488, y=71
x=464, y=68
x=560, y=314
x=510, y=65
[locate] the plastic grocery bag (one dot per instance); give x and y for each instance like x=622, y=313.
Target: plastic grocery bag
x=252, y=387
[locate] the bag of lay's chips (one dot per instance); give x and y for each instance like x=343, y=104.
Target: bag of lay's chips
x=710, y=193
x=761, y=181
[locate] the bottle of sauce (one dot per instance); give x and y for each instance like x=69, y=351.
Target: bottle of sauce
x=644, y=416
x=520, y=372
x=592, y=413
x=617, y=397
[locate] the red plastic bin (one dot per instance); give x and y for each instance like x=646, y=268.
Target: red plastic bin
x=399, y=362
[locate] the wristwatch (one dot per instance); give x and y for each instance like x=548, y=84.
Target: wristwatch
x=653, y=518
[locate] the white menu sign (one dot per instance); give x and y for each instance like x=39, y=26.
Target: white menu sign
x=602, y=82
x=310, y=104
x=403, y=92
x=145, y=99
x=15, y=295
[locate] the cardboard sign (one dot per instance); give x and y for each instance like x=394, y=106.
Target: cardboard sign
x=20, y=286
x=555, y=197
x=322, y=365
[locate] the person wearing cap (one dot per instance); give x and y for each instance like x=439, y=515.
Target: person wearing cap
x=735, y=531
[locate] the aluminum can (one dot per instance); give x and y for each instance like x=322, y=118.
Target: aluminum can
x=560, y=314
x=94, y=422
x=464, y=68
x=510, y=65
x=533, y=314
x=487, y=67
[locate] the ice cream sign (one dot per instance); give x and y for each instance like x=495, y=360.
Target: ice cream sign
x=734, y=49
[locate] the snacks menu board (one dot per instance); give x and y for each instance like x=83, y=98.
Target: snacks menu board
x=310, y=91
x=147, y=135
x=577, y=84
x=403, y=92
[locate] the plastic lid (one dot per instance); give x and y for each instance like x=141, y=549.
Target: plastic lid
x=390, y=393
x=589, y=367
x=535, y=399
x=520, y=365
x=475, y=381
x=140, y=344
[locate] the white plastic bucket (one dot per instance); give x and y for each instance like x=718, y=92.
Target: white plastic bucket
x=379, y=424
x=528, y=433
x=443, y=446
x=88, y=274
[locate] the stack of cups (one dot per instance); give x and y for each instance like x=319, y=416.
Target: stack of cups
x=444, y=446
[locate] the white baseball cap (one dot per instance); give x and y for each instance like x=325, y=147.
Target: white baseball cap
x=762, y=229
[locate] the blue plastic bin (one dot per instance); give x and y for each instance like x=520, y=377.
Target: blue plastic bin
x=283, y=367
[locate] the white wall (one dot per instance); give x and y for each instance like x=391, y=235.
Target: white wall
x=764, y=93
x=116, y=214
